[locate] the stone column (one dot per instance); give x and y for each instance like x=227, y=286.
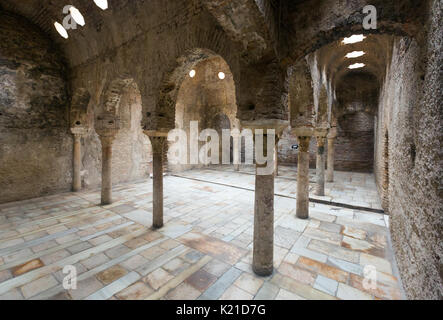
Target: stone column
x=330, y=169
x=158, y=143
x=302, y=209
x=263, y=247
x=263, y=251
x=277, y=139
x=320, y=167
x=107, y=142
x=331, y=140
x=77, y=158
x=77, y=132
x=107, y=127
x=236, y=141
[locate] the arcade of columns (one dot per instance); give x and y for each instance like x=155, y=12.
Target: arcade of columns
x=107, y=128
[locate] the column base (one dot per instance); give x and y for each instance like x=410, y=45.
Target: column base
x=157, y=226
x=263, y=271
x=302, y=215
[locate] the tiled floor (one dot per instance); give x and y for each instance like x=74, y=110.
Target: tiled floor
x=204, y=249
x=357, y=189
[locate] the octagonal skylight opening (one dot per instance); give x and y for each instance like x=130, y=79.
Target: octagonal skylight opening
x=356, y=66
x=102, y=4
x=192, y=73
x=77, y=16
x=221, y=75
x=354, y=39
x=355, y=54
x=61, y=30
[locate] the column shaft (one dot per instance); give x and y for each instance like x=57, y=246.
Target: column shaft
x=106, y=169
x=276, y=159
x=236, y=150
x=302, y=209
x=263, y=252
x=330, y=170
x=77, y=156
x=320, y=168
x=157, y=148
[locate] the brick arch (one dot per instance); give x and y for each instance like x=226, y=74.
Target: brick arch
x=107, y=114
x=221, y=121
x=315, y=39
x=163, y=117
x=331, y=27
x=326, y=39
x=111, y=95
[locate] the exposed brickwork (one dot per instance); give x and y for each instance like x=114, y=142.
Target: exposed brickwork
x=354, y=147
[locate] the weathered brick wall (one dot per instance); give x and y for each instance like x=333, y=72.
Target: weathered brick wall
x=35, y=144
x=411, y=114
x=354, y=145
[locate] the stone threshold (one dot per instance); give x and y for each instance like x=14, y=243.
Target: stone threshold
x=253, y=174
x=313, y=200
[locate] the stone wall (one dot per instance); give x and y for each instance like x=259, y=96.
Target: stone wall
x=408, y=163
x=35, y=143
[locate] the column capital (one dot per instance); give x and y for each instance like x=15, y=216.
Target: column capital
x=156, y=133
x=321, y=132
x=303, y=142
x=79, y=132
x=332, y=134
x=276, y=124
x=106, y=140
x=303, y=131
x=321, y=141
x=107, y=126
x=158, y=143
x=107, y=135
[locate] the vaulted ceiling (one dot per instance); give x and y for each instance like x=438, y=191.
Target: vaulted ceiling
x=122, y=22
x=291, y=28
